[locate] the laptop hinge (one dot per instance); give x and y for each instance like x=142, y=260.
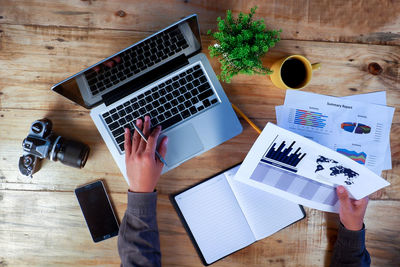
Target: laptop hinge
x=145, y=79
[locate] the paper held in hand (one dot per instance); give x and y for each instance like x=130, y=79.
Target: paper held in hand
x=298, y=169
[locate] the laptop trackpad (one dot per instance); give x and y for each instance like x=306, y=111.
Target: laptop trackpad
x=182, y=143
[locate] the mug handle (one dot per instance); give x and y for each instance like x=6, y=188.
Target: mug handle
x=316, y=66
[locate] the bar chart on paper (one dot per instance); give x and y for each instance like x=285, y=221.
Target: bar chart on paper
x=282, y=155
x=306, y=120
x=310, y=118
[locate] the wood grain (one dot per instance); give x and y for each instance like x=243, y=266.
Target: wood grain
x=32, y=67
x=49, y=230
x=366, y=21
x=100, y=165
x=42, y=42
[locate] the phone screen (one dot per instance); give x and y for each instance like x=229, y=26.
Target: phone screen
x=97, y=210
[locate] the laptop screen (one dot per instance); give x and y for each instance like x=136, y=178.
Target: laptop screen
x=88, y=87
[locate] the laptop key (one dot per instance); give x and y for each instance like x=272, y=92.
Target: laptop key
x=122, y=121
x=129, y=109
x=206, y=94
x=187, y=103
x=115, y=116
x=175, y=93
x=193, y=110
x=213, y=101
x=153, y=113
x=122, y=113
x=185, y=114
x=160, y=117
x=174, y=102
x=108, y=120
x=174, y=111
x=153, y=122
x=106, y=114
x=169, y=88
x=203, y=87
x=167, y=105
x=181, y=107
x=171, y=121
x=135, y=105
x=118, y=131
x=160, y=109
x=194, y=100
x=120, y=139
x=121, y=146
x=113, y=125
x=129, y=118
x=203, y=79
x=197, y=73
x=167, y=114
x=206, y=103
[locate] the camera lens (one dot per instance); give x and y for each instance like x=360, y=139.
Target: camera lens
x=69, y=152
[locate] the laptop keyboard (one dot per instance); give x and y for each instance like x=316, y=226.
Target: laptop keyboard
x=136, y=59
x=173, y=101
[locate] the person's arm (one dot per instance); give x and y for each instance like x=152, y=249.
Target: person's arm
x=138, y=239
x=349, y=249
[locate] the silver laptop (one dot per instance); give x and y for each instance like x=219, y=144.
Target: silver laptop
x=166, y=77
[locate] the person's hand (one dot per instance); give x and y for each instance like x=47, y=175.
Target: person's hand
x=109, y=64
x=351, y=212
x=143, y=167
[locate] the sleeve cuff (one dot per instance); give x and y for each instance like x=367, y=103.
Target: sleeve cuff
x=142, y=203
x=353, y=239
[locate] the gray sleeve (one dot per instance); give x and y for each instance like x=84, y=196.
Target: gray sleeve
x=138, y=239
x=350, y=249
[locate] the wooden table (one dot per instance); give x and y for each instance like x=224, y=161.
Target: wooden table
x=43, y=42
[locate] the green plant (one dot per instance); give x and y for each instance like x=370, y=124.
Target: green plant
x=241, y=43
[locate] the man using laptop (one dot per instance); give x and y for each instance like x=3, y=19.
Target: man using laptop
x=138, y=239
x=166, y=77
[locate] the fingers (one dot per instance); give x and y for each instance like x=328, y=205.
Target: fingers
x=96, y=68
x=162, y=149
x=146, y=132
x=117, y=59
x=361, y=202
x=127, y=143
x=152, y=142
x=343, y=196
x=136, y=136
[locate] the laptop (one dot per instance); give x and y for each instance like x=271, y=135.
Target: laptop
x=166, y=77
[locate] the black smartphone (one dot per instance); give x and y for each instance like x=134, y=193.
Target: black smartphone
x=97, y=210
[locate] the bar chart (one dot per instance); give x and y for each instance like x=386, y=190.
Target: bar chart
x=283, y=156
x=310, y=118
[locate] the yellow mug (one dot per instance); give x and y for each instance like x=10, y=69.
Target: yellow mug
x=295, y=65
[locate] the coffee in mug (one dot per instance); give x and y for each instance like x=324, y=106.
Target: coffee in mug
x=292, y=72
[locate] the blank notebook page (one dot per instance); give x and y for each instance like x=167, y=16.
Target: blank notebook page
x=215, y=218
x=265, y=212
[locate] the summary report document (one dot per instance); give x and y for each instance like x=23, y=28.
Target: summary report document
x=298, y=169
x=222, y=215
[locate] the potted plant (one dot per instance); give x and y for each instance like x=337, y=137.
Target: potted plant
x=241, y=42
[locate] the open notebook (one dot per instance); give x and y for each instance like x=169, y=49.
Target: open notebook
x=222, y=215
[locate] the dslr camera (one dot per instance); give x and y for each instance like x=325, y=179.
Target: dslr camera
x=42, y=143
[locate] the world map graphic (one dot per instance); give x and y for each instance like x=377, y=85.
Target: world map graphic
x=336, y=169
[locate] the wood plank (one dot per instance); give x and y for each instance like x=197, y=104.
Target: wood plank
x=100, y=165
x=368, y=21
x=33, y=59
x=47, y=228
